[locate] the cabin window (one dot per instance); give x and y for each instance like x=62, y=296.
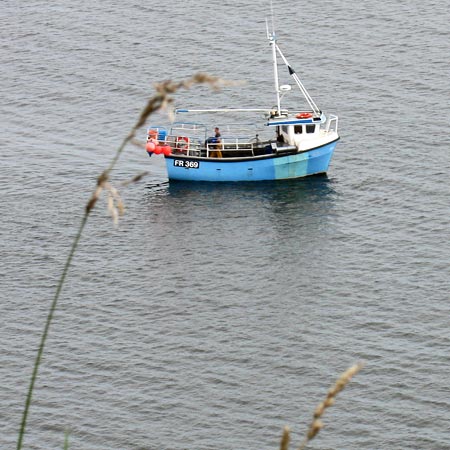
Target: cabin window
x=298, y=129
x=284, y=129
x=310, y=128
x=279, y=135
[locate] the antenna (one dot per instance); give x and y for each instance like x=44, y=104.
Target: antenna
x=273, y=42
x=272, y=17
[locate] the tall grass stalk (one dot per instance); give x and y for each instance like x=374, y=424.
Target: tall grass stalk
x=317, y=424
x=66, y=440
x=161, y=100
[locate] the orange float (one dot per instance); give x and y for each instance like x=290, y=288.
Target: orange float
x=303, y=115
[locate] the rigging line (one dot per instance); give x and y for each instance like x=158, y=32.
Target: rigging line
x=311, y=102
x=302, y=88
x=308, y=98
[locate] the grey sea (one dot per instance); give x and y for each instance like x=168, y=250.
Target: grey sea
x=213, y=316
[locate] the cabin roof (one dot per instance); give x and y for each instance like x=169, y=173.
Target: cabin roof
x=293, y=121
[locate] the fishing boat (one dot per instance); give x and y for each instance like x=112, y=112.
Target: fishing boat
x=292, y=143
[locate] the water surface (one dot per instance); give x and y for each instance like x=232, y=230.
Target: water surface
x=215, y=315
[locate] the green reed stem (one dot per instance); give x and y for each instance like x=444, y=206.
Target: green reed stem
x=66, y=440
x=37, y=361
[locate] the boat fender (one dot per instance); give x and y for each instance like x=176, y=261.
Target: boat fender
x=304, y=115
x=151, y=145
x=162, y=149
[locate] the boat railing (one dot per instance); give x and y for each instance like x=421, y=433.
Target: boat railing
x=230, y=146
x=184, y=145
x=332, y=123
x=194, y=146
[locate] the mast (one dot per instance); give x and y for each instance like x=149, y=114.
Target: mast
x=273, y=42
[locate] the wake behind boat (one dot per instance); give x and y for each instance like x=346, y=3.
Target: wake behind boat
x=300, y=143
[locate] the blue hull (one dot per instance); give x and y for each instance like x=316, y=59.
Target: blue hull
x=272, y=167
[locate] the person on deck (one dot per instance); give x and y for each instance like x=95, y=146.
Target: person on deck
x=216, y=153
